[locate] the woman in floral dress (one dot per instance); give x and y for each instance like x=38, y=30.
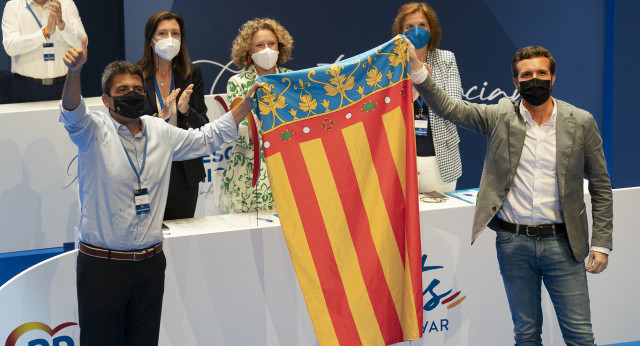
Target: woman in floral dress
x=261, y=45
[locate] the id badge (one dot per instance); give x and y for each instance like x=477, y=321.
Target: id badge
x=49, y=54
x=141, y=198
x=422, y=126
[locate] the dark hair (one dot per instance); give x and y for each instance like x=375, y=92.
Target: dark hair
x=180, y=62
x=435, y=33
x=116, y=68
x=532, y=52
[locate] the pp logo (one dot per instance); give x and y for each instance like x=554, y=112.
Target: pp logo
x=62, y=340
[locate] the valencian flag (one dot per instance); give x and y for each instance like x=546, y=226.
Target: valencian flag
x=340, y=151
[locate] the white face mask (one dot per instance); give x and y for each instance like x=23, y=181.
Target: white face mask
x=167, y=48
x=265, y=58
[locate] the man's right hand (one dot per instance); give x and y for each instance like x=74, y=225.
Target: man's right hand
x=76, y=57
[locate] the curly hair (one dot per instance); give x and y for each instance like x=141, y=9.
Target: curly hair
x=242, y=43
x=435, y=33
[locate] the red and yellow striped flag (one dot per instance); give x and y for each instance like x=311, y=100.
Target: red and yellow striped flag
x=340, y=151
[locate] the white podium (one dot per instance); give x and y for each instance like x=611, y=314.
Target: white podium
x=230, y=281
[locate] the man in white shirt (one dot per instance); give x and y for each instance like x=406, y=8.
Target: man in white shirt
x=37, y=34
x=124, y=163
x=532, y=194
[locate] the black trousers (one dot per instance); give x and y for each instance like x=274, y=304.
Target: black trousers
x=24, y=91
x=120, y=302
x=182, y=197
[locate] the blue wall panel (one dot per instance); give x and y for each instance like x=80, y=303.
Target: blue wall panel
x=625, y=127
x=483, y=34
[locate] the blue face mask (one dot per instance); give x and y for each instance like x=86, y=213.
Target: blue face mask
x=418, y=36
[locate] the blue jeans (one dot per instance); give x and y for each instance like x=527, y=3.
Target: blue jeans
x=527, y=261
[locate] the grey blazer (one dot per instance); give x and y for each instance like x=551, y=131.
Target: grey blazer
x=578, y=153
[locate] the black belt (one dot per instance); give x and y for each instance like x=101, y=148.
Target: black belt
x=46, y=81
x=136, y=255
x=533, y=231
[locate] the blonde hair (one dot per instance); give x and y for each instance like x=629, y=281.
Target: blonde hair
x=435, y=33
x=242, y=43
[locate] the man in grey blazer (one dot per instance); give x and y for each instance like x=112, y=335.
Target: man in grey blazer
x=532, y=195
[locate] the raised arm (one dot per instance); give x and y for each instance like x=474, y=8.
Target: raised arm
x=477, y=117
x=74, y=59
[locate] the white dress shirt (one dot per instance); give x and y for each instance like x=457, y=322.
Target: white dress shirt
x=23, y=39
x=107, y=181
x=534, y=198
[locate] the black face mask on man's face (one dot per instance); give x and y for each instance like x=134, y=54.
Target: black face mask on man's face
x=535, y=91
x=129, y=105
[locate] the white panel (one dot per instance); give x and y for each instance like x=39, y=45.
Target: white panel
x=230, y=281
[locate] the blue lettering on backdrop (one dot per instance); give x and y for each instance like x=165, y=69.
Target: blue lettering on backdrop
x=220, y=155
x=433, y=327
x=470, y=94
x=208, y=192
x=434, y=300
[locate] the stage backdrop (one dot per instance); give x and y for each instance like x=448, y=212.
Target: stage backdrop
x=593, y=42
x=588, y=38
x=484, y=35
x=39, y=205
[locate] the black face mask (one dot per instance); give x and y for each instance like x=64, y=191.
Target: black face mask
x=535, y=91
x=129, y=105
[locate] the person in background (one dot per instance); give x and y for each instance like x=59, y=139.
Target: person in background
x=37, y=34
x=123, y=175
x=261, y=45
x=532, y=193
x=439, y=164
x=174, y=92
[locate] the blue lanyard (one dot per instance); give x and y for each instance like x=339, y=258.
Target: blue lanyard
x=34, y=15
x=158, y=94
x=144, y=156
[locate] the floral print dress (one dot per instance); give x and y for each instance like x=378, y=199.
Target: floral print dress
x=236, y=194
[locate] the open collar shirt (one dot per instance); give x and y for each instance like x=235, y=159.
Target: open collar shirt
x=534, y=197
x=107, y=181
x=517, y=211
x=23, y=39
